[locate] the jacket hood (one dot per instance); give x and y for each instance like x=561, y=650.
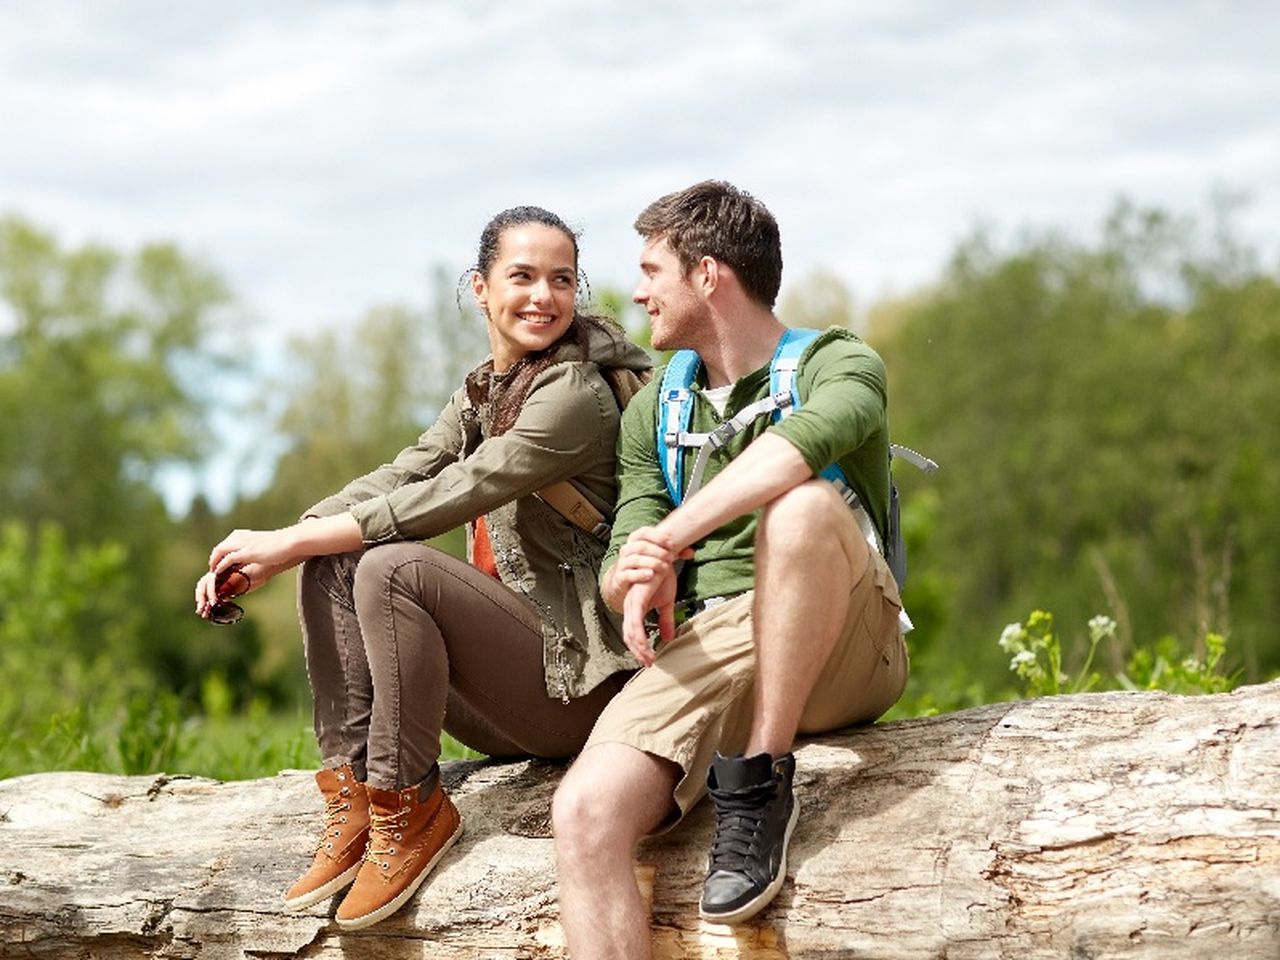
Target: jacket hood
x=607, y=346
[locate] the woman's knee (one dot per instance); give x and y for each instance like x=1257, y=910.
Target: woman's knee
x=383, y=565
x=325, y=578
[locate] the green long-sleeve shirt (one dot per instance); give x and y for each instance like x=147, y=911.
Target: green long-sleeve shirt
x=842, y=418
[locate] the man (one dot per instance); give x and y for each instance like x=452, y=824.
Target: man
x=792, y=613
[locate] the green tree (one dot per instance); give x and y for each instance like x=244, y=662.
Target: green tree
x=1102, y=413
x=97, y=370
x=104, y=360
x=352, y=399
x=818, y=301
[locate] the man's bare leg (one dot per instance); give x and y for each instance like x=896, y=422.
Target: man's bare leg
x=804, y=561
x=612, y=796
x=803, y=574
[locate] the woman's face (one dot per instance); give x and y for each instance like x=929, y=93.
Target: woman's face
x=528, y=292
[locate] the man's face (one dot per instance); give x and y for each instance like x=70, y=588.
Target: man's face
x=677, y=310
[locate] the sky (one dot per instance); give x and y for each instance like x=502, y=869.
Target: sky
x=324, y=156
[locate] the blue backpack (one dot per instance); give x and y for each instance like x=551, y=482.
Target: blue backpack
x=675, y=412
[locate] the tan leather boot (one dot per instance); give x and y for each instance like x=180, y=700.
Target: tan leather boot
x=408, y=834
x=342, y=845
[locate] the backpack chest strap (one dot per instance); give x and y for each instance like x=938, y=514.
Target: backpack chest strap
x=708, y=443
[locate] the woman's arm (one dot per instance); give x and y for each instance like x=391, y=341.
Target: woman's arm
x=261, y=554
x=567, y=423
x=440, y=445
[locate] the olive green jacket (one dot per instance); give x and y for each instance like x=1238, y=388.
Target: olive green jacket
x=567, y=428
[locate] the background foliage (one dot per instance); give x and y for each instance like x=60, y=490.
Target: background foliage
x=1103, y=410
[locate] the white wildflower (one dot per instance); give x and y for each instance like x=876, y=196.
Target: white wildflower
x=1011, y=638
x=1101, y=626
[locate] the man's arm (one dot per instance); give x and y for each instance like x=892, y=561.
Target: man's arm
x=644, y=577
x=769, y=467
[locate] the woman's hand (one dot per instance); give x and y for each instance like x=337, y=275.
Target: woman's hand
x=234, y=581
x=261, y=554
x=276, y=549
x=243, y=561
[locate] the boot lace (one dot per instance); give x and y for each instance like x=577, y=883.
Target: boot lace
x=335, y=815
x=384, y=834
x=735, y=845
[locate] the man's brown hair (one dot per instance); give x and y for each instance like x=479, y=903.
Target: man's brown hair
x=716, y=219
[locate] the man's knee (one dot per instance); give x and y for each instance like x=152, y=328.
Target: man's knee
x=612, y=796
x=579, y=814
x=804, y=516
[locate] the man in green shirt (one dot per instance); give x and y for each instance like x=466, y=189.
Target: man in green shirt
x=792, y=618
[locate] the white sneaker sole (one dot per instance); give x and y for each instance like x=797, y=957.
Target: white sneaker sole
x=340, y=882
x=387, y=909
x=752, y=907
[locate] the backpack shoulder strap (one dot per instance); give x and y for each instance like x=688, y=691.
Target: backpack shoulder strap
x=675, y=413
x=783, y=367
x=784, y=382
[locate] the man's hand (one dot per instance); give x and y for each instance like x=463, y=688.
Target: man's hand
x=643, y=557
x=644, y=579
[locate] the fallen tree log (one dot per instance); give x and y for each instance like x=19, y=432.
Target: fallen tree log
x=1100, y=825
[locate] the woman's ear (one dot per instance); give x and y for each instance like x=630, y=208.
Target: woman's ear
x=480, y=291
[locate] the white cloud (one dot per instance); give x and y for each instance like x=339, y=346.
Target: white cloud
x=323, y=155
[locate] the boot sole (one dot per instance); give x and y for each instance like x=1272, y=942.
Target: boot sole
x=338, y=883
x=765, y=897
x=387, y=909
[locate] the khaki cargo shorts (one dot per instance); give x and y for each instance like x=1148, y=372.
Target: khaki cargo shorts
x=697, y=698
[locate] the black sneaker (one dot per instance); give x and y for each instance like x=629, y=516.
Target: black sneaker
x=755, y=814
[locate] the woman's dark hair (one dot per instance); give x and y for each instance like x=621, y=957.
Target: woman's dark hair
x=491, y=235
x=509, y=393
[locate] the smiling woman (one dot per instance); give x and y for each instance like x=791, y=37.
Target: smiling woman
x=514, y=653
x=527, y=292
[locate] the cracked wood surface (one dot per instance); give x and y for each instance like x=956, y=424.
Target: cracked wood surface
x=1101, y=825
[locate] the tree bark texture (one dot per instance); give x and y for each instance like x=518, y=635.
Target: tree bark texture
x=1088, y=826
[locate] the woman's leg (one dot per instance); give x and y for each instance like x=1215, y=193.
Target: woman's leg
x=343, y=693
x=341, y=684
x=440, y=635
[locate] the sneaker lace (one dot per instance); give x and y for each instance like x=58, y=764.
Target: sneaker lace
x=384, y=833
x=735, y=843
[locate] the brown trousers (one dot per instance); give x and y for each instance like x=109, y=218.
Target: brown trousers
x=403, y=640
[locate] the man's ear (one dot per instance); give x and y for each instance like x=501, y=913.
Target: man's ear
x=707, y=275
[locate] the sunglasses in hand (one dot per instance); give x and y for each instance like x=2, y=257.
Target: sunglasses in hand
x=231, y=582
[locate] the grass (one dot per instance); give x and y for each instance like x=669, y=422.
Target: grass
x=149, y=737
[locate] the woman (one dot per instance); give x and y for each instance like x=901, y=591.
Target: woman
x=514, y=653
